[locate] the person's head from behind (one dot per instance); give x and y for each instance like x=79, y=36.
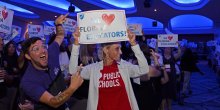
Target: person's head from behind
x=36, y=52
x=111, y=51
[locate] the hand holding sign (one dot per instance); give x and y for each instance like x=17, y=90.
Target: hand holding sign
x=76, y=36
x=132, y=38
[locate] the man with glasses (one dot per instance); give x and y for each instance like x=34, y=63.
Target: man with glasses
x=42, y=83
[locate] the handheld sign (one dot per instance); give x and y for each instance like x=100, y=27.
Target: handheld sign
x=135, y=28
x=167, y=40
x=69, y=25
x=16, y=31
x=49, y=30
x=102, y=26
x=6, y=17
x=35, y=31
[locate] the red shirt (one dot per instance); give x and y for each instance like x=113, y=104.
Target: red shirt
x=112, y=92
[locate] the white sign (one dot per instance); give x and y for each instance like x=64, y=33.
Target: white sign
x=35, y=31
x=49, y=30
x=135, y=28
x=15, y=34
x=101, y=26
x=70, y=25
x=16, y=31
x=6, y=18
x=153, y=42
x=167, y=40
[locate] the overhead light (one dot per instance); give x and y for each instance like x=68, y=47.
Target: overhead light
x=71, y=8
x=55, y=16
x=155, y=10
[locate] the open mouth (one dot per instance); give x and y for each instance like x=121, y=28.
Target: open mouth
x=43, y=57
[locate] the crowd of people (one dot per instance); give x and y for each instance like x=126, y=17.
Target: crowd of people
x=127, y=75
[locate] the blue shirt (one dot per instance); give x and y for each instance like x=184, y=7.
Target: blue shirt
x=35, y=82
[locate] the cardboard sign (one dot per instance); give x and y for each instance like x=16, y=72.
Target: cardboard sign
x=6, y=18
x=167, y=40
x=70, y=25
x=35, y=31
x=49, y=30
x=102, y=26
x=135, y=28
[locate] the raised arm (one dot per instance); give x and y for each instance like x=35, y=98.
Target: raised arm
x=59, y=28
x=142, y=67
x=73, y=65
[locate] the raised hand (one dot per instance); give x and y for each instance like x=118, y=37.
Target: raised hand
x=76, y=79
x=61, y=19
x=76, y=36
x=132, y=38
x=59, y=28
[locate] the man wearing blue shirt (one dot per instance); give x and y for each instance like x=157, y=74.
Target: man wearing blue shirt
x=43, y=82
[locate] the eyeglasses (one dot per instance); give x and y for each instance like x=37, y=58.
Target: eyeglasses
x=36, y=49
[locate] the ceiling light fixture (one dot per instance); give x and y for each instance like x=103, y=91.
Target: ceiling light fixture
x=71, y=8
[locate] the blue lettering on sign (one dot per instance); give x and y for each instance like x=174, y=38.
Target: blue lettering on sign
x=8, y=37
x=106, y=35
x=88, y=29
x=4, y=27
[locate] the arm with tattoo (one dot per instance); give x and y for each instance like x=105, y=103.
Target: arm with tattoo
x=61, y=98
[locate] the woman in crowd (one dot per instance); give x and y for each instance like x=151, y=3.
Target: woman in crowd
x=169, y=89
x=107, y=92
